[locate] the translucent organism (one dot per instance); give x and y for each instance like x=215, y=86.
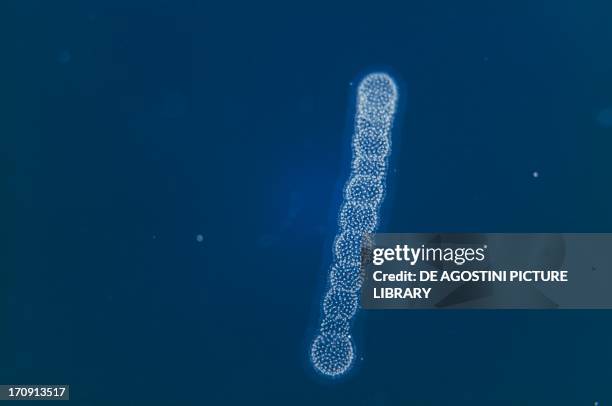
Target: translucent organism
x=332, y=351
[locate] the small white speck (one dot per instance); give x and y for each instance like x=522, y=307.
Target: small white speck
x=199, y=238
x=535, y=174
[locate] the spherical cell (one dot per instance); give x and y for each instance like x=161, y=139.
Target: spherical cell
x=370, y=166
x=347, y=246
x=365, y=127
x=377, y=96
x=358, y=218
x=371, y=139
x=345, y=276
x=365, y=189
x=332, y=355
x=335, y=326
x=340, y=304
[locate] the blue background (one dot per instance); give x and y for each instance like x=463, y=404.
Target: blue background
x=130, y=127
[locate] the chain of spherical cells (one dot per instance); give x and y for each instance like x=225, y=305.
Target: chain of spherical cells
x=332, y=351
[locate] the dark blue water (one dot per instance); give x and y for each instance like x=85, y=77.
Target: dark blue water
x=131, y=127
